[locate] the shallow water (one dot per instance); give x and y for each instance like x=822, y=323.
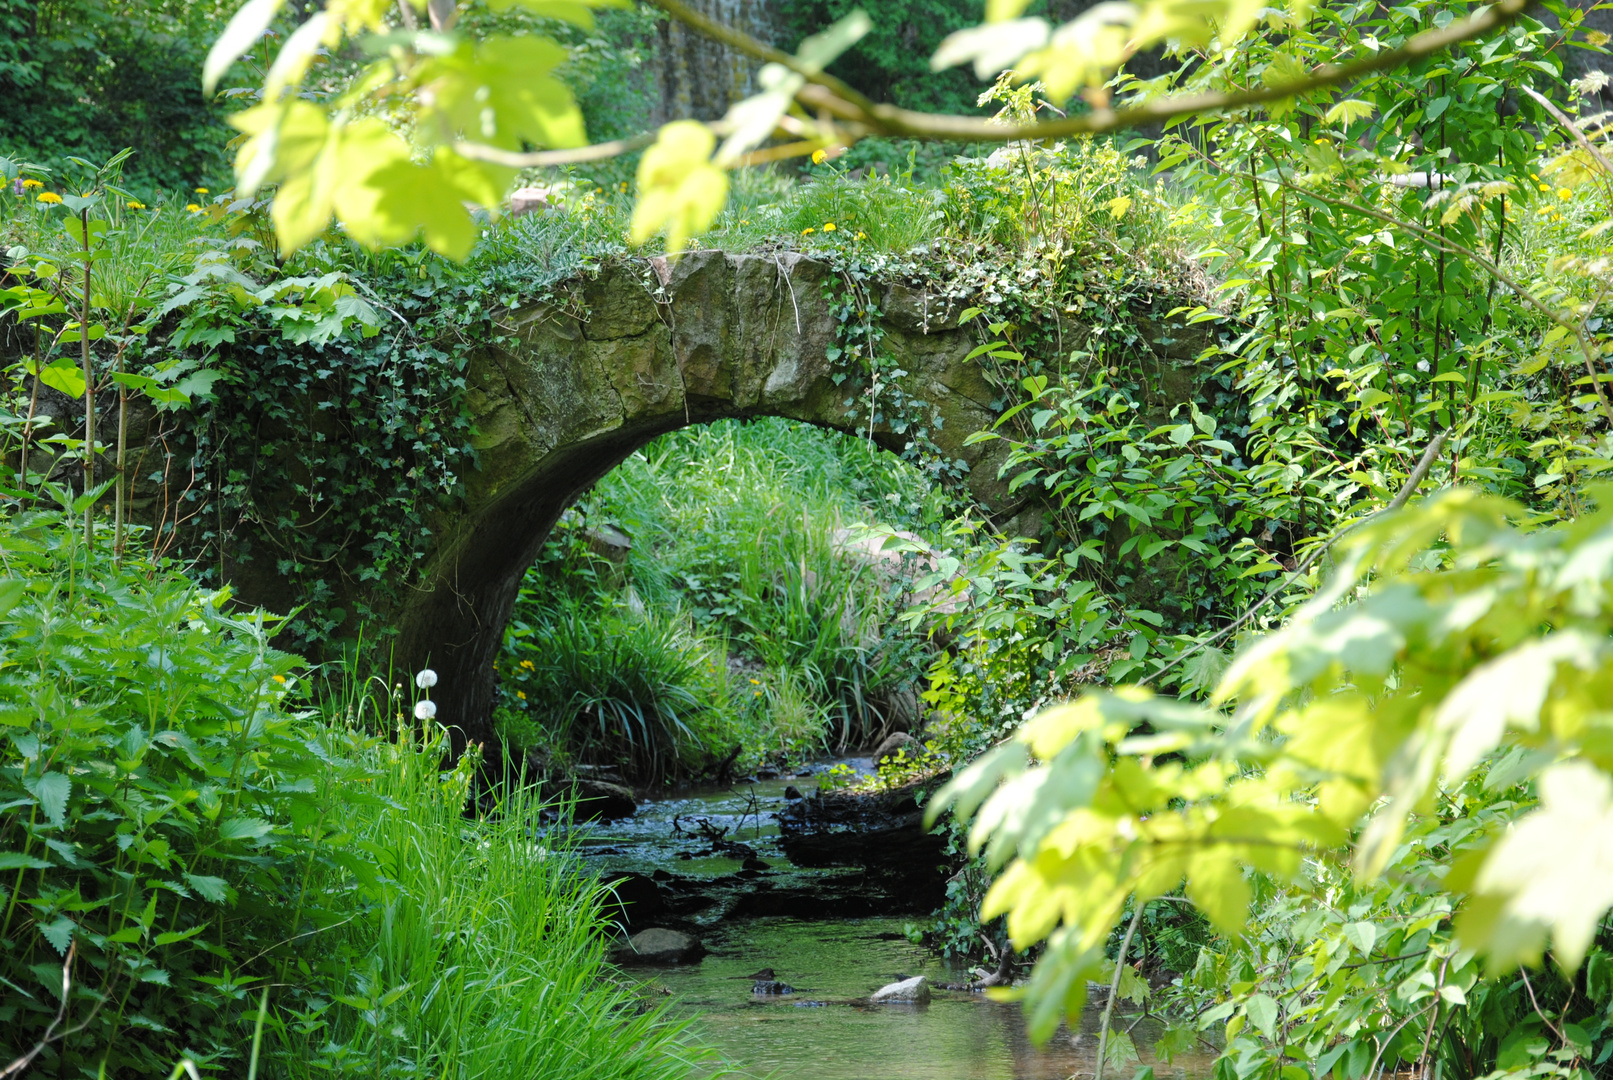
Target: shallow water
x=827, y=1030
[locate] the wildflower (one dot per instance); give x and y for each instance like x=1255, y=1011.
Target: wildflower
x=49, y=198
x=1545, y=186
x=819, y=157
x=135, y=204
x=1564, y=194
x=521, y=694
x=756, y=682
x=193, y=208
x=281, y=679
x=745, y=221
x=862, y=235
x=32, y=183
x=808, y=232
x=202, y=191
x=426, y=679
x=828, y=226
x=527, y=664
x=425, y=710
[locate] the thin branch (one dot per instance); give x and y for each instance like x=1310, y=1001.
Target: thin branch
x=884, y=119
x=549, y=158
x=1114, y=987
x=864, y=117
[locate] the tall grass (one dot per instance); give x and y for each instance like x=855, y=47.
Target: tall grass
x=738, y=542
x=612, y=685
x=481, y=953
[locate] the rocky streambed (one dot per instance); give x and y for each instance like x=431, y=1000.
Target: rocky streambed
x=779, y=914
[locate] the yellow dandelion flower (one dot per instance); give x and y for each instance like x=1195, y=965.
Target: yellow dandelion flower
x=281, y=679
x=828, y=226
x=756, y=682
x=193, y=208
x=135, y=204
x=521, y=694
x=1564, y=194
x=32, y=183
x=49, y=198
x=1545, y=187
x=808, y=232
x=819, y=157
x=203, y=191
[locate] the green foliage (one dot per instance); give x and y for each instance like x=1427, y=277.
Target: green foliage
x=612, y=686
x=85, y=78
x=742, y=616
x=480, y=952
x=362, y=431
x=1382, y=313
x=892, y=62
x=176, y=816
x=160, y=797
x=1448, y=639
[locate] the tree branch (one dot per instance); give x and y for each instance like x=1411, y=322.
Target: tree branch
x=880, y=119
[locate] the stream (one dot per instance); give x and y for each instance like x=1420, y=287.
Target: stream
x=835, y=934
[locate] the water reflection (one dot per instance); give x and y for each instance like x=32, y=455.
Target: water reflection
x=827, y=1031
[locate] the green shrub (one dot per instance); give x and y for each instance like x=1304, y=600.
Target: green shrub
x=193, y=844
x=159, y=797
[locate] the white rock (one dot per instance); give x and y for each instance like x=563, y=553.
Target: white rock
x=915, y=990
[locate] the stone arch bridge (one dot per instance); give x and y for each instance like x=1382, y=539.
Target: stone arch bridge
x=662, y=346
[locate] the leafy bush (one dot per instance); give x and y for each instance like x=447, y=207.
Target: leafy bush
x=160, y=800
x=1411, y=773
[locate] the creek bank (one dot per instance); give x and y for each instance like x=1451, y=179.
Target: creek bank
x=881, y=833
x=689, y=859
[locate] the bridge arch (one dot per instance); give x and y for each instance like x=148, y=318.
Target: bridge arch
x=648, y=346
x=657, y=346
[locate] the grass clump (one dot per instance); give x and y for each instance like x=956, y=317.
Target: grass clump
x=741, y=615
